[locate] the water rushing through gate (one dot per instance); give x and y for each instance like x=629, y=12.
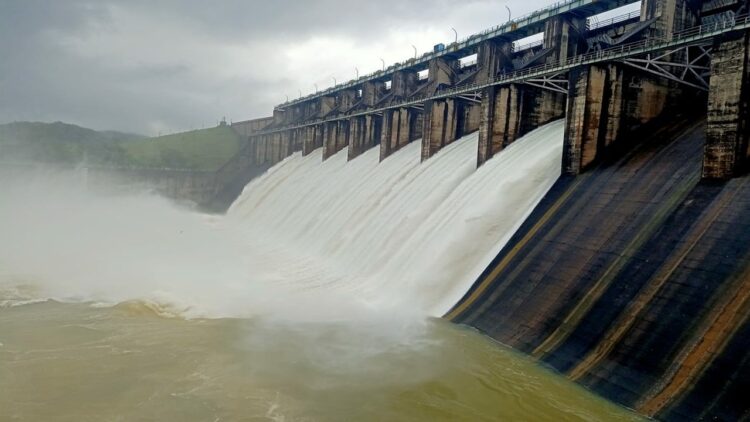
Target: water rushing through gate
x=400, y=234
x=310, y=300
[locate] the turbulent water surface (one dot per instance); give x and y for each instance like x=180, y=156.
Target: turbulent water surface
x=313, y=299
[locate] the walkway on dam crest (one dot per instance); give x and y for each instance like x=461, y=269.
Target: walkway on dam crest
x=692, y=36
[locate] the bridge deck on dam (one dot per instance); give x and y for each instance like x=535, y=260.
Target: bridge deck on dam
x=518, y=28
x=634, y=280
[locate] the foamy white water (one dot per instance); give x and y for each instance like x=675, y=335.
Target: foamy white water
x=309, y=240
x=397, y=234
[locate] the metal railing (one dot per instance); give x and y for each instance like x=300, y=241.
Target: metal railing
x=615, y=20
x=512, y=25
x=527, y=46
x=681, y=38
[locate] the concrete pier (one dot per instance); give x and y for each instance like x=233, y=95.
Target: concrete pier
x=565, y=35
x=727, y=148
x=671, y=16
x=440, y=116
x=400, y=126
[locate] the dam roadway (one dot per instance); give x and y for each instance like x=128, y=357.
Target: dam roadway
x=632, y=275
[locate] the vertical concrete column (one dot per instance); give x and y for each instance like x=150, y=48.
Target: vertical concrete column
x=398, y=130
x=440, y=124
x=285, y=144
x=308, y=140
x=405, y=122
x=541, y=106
x=330, y=133
x=594, y=115
x=511, y=111
x=404, y=82
x=372, y=92
x=470, y=118
x=345, y=99
x=263, y=150
x=500, y=116
x=442, y=71
x=373, y=130
x=671, y=16
x=325, y=106
x=387, y=132
x=311, y=109
x=342, y=135
x=254, y=141
x=299, y=138
x=275, y=148
x=279, y=117
x=566, y=34
x=439, y=127
x=492, y=57
x=356, y=137
x=727, y=147
x=318, y=134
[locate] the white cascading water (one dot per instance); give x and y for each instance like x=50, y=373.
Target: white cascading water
x=307, y=241
x=399, y=233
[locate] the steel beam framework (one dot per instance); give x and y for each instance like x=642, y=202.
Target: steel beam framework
x=683, y=59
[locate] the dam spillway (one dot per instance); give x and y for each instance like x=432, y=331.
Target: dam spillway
x=582, y=199
x=399, y=233
x=626, y=278
x=264, y=303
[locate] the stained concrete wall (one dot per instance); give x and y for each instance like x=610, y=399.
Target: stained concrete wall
x=606, y=102
x=440, y=125
x=367, y=134
x=400, y=126
x=672, y=16
x=727, y=147
x=566, y=35
x=511, y=111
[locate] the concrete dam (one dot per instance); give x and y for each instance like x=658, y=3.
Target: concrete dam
x=627, y=268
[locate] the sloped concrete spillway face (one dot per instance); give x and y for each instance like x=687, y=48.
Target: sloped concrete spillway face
x=634, y=280
x=401, y=234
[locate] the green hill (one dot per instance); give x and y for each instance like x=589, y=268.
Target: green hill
x=206, y=149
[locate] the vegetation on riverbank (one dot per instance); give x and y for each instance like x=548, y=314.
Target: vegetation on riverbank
x=66, y=144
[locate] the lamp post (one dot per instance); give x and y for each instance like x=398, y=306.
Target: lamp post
x=334, y=80
x=356, y=70
x=300, y=93
x=509, y=15
x=456, y=34
x=316, y=88
x=383, y=61
x=415, y=50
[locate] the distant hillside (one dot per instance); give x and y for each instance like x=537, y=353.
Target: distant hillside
x=205, y=149
x=63, y=143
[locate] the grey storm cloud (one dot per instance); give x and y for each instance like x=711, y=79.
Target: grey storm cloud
x=162, y=66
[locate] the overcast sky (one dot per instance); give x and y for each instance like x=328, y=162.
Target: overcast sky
x=162, y=66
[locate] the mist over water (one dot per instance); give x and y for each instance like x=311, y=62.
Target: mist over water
x=308, y=240
x=310, y=300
